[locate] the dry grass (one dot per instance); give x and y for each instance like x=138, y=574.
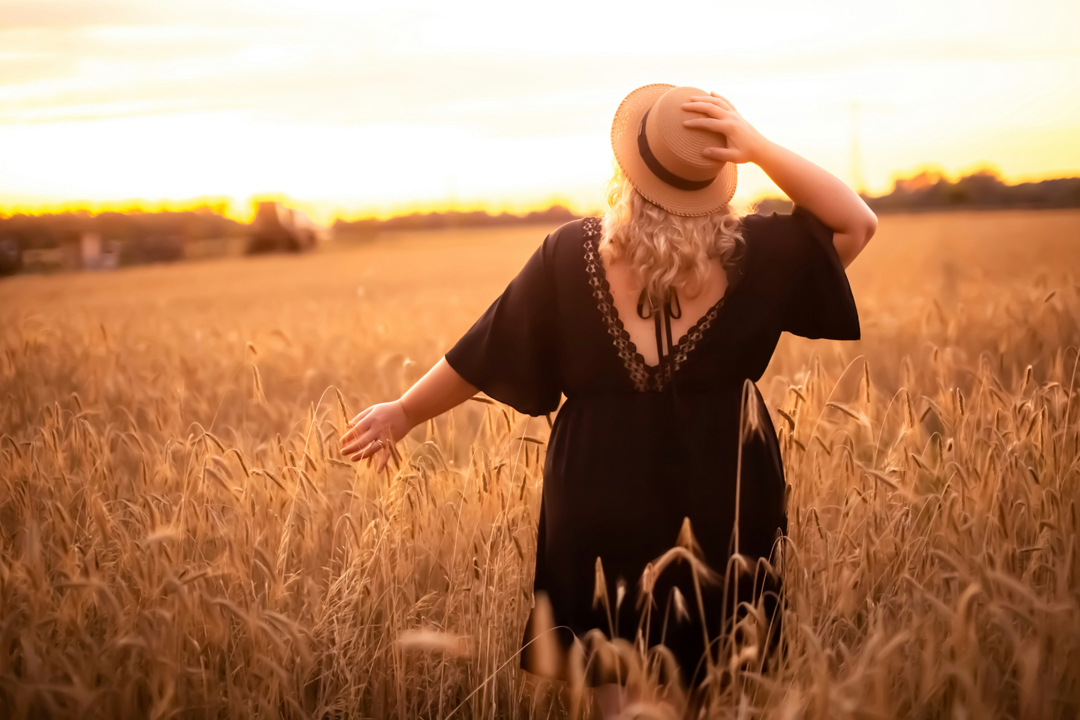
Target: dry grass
x=178, y=536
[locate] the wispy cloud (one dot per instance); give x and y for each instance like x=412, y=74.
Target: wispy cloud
x=499, y=73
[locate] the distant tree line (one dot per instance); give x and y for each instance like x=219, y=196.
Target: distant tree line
x=139, y=233
x=982, y=190
x=924, y=191
x=452, y=219
x=929, y=190
x=34, y=232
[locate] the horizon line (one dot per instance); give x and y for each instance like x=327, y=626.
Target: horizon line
x=243, y=210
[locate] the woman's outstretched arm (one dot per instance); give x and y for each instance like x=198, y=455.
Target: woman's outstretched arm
x=437, y=392
x=808, y=185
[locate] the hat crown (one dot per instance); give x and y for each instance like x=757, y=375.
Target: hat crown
x=662, y=158
x=677, y=147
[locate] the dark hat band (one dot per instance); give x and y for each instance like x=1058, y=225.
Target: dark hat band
x=659, y=170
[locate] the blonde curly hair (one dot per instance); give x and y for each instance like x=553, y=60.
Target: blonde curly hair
x=665, y=250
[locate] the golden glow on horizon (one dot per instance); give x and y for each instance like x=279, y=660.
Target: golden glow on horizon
x=357, y=110
x=244, y=211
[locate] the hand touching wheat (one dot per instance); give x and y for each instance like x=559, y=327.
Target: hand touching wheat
x=374, y=433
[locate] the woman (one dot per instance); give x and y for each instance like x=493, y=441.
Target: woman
x=655, y=437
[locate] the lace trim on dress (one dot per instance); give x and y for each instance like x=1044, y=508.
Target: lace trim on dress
x=643, y=377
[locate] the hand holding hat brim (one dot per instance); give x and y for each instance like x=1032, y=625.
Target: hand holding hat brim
x=677, y=144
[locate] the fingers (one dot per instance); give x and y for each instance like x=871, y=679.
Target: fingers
x=366, y=451
x=712, y=109
x=714, y=99
x=351, y=435
x=717, y=101
x=722, y=154
x=381, y=455
x=368, y=438
x=363, y=414
x=363, y=423
x=362, y=439
x=718, y=96
x=720, y=126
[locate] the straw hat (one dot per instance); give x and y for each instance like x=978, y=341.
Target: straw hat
x=662, y=158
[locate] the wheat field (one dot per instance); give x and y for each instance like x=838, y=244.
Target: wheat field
x=179, y=538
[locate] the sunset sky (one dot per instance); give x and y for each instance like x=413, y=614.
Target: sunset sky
x=358, y=108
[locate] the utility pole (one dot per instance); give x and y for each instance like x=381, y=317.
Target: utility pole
x=856, y=153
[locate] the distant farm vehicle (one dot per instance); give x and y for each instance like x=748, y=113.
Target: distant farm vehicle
x=280, y=229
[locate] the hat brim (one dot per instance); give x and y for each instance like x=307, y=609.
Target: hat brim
x=689, y=203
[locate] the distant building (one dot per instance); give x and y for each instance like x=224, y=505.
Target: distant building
x=79, y=250
x=277, y=228
x=110, y=256
x=90, y=249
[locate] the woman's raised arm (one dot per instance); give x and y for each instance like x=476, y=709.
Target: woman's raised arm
x=374, y=431
x=808, y=185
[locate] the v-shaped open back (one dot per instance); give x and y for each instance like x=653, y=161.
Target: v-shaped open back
x=643, y=376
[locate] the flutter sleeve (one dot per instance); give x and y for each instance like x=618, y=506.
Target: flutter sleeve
x=510, y=353
x=818, y=302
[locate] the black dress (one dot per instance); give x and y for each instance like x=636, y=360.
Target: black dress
x=635, y=449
